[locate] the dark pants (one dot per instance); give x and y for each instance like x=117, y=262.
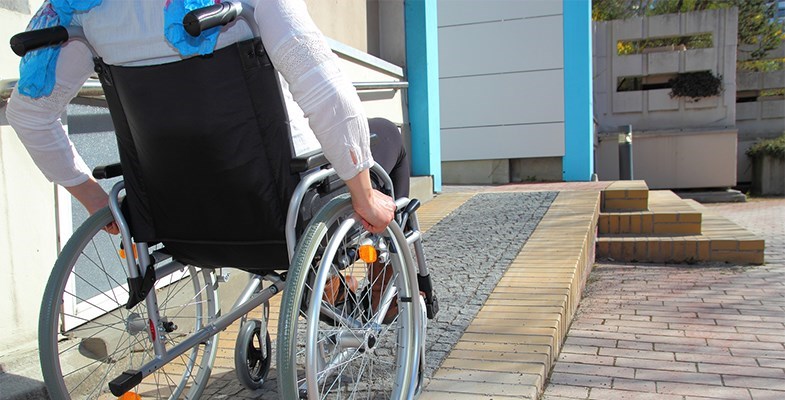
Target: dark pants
x=389, y=152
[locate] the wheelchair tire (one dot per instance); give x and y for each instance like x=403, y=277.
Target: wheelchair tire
x=251, y=360
x=351, y=354
x=87, y=337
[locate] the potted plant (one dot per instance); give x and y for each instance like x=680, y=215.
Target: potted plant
x=768, y=166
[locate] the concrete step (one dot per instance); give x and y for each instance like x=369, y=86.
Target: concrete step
x=625, y=196
x=667, y=214
x=421, y=188
x=20, y=373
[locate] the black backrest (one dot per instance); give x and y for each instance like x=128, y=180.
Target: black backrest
x=205, y=148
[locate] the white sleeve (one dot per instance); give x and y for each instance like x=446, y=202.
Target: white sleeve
x=37, y=121
x=300, y=53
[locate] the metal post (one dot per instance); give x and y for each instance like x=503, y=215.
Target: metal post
x=625, y=155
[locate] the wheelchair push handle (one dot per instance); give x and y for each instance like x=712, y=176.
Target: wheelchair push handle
x=22, y=43
x=202, y=19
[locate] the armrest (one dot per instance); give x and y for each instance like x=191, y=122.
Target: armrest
x=314, y=159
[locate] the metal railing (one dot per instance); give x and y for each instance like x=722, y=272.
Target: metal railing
x=92, y=88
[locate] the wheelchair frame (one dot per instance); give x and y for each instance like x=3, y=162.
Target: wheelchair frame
x=251, y=297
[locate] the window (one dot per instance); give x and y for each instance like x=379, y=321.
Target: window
x=644, y=82
x=662, y=44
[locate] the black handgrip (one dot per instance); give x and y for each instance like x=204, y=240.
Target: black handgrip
x=107, y=171
x=202, y=19
x=23, y=42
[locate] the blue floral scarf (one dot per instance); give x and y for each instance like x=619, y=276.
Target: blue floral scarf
x=37, y=68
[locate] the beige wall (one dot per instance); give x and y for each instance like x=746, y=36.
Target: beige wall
x=377, y=103
x=673, y=160
x=342, y=20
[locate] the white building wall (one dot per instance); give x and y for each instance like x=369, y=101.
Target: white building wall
x=501, y=70
x=28, y=229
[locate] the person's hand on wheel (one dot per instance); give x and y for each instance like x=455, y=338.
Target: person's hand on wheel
x=374, y=208
x=376, y=213
x=93, y=198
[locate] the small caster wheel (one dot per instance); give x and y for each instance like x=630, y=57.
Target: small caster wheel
x=252, y=354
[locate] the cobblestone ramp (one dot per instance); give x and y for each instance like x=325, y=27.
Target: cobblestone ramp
x=468, y=252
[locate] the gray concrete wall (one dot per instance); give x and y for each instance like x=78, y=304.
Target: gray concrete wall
x=771, y=173
x=760, y=119
x=654, y=109
x=501, y=70
x=671, y=135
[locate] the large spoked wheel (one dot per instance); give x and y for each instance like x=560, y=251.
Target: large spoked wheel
x=87, y=337
x=349, y=328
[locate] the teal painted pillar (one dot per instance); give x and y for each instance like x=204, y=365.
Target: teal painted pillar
x=422, y=73
x=578, y=162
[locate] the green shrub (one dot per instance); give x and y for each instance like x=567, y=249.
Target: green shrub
x=770, y=147
x=696, y=85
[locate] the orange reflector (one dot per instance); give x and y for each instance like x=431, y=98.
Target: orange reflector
x=122, y=253
x=368, y=253
x=130, y=396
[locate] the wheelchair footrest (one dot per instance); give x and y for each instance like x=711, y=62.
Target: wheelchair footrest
x=123, y=383
x=431, y=302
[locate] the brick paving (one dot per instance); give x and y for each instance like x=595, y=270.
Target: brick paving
x=703, y=331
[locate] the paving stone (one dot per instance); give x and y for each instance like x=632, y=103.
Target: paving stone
x=716, y=332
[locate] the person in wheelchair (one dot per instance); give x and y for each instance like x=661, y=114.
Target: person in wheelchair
x=167, y=133
x=323, y=107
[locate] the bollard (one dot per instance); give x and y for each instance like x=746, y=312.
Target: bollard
x=625, y=155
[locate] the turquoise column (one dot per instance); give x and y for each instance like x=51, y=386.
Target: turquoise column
x=578, y=162
x=422, y=73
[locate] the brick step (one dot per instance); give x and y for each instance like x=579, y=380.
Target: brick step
x=667, y=214
x=680, y=249
x=625, y=196
x=720, y=240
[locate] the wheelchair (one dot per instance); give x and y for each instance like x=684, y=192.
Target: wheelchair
x=137, y=315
